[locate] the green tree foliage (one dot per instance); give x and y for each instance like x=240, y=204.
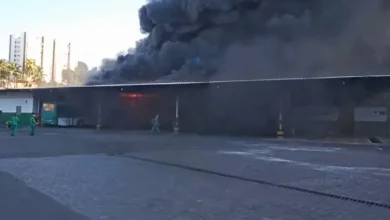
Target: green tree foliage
x=14, y=71
x=32, y=72
x=9, y=72
x=4, y=70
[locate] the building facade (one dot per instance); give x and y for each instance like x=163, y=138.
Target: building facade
x=306, y=108
x=21, y=103
x=17, y=49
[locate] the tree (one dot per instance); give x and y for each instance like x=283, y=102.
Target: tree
x=4, y=70
x=32, y=72
x=9, y=72
x=14, y=72
x=38, y=77
x=4, y=73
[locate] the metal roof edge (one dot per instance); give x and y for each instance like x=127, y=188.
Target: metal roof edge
x=199, y=82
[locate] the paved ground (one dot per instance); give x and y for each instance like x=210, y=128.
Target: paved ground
x=81, y=174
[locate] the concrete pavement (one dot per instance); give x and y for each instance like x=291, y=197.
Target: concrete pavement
x=347, y=141
x=89, y=175
x=19, y=201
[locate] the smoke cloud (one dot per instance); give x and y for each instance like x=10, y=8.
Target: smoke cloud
x=252, y=39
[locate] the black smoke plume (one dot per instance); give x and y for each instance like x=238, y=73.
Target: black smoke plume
x=250, y=39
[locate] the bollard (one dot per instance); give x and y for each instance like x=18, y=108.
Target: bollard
x=280, y=132
x=176, y=126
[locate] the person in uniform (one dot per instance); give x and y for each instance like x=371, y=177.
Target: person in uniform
x=14, y=124
x=155, y=125
x=33, y=123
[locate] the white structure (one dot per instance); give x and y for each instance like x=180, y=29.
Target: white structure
x=17, y=49
x=370, y=114
x=51, y=54
x=16, y=103
x=21, y=103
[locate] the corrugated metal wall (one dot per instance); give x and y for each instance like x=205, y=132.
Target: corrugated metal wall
x=309, y=108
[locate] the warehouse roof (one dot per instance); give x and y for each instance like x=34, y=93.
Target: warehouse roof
x=146, y=84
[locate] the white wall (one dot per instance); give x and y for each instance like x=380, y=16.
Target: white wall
x=370, y=114
x=8, y=102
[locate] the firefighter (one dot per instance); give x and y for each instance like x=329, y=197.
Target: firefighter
x=33, y=124
x=155, y=125
x=14, y=124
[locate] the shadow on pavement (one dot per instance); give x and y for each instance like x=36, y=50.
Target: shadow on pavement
x=19, y=201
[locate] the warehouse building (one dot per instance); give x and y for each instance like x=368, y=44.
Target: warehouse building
x=317, y=107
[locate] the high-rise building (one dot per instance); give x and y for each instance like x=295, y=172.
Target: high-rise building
x=51, y=54
x=17, y=49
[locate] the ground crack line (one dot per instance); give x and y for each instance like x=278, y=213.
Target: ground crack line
x=262, y=182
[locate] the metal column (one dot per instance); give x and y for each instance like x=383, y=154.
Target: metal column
x=176, y=126
x=280, y=131
x=99, y=115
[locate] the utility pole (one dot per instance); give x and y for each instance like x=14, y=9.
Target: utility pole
x=11, y=48
x=24, y=49
x=68, y=63
x=42, y=49
x=53, y=64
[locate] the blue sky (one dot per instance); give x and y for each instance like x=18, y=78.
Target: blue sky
x=97, y=29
